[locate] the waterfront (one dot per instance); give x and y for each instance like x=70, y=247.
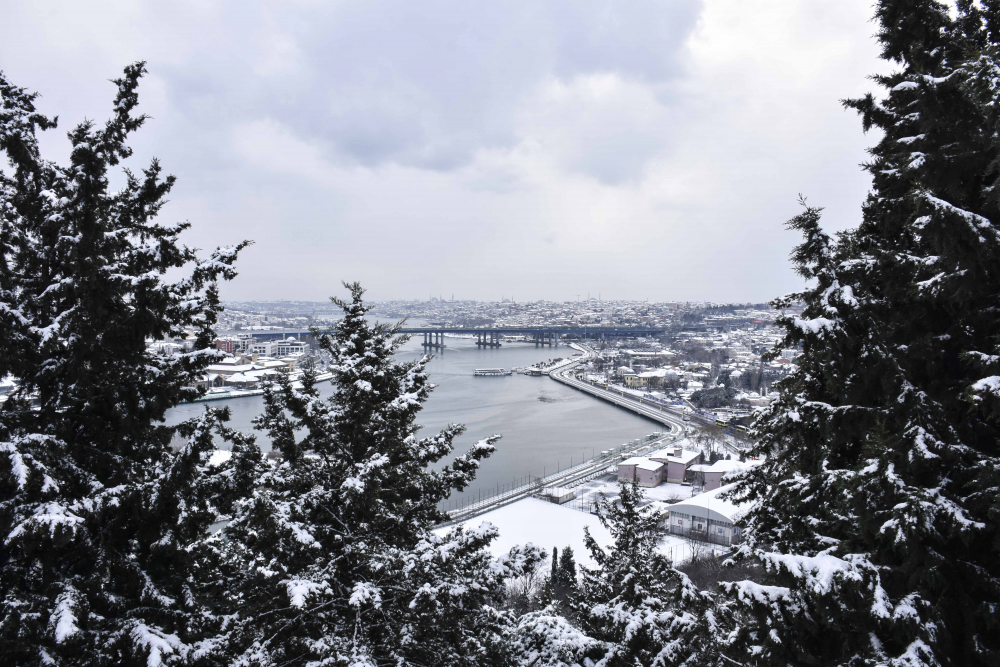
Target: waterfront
x=545, y=425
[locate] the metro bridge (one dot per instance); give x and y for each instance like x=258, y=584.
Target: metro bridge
x=490, y=336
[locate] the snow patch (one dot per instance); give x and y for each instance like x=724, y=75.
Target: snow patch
x=299, y=590
x=64, y=618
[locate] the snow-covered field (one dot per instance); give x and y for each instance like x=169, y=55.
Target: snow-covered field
x=548, y=525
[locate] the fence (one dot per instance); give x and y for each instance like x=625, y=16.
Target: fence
x=731, y=535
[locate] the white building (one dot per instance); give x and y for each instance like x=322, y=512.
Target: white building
x=708, y=517
x=279, y=348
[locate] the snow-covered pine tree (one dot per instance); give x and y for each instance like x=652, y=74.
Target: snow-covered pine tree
x=563, y=581
x=102, y=556
x=635, y=603
x=567, y=570
x=877, y=507
x=338, y=561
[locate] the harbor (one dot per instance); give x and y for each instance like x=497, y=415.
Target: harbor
x=545, y=426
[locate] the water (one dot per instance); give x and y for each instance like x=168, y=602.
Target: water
x=545, y=425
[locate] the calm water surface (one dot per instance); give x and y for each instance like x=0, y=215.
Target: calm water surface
x=545, y=425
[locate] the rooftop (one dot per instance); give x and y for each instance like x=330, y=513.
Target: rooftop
x=711, y=503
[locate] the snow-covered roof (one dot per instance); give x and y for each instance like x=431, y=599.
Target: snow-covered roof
x=642, y=462
x=710, y=505
x=724, y=466
x=668, y=454
x=229, y=369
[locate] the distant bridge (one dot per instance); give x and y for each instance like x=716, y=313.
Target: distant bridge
x=490, y=336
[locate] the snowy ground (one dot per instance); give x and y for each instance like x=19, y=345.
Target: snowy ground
x=548, y=525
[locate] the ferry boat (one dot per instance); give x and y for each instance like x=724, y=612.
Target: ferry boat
x=490, y=372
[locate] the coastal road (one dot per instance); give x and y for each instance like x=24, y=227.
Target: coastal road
x=671, y=418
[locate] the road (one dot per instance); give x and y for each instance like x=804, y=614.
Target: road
x=668, y=417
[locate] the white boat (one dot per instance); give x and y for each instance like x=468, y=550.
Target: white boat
x=490, y=372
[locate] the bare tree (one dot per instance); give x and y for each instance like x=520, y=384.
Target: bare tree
x=525, y=591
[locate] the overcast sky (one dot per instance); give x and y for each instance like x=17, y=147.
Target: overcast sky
x=481, y=149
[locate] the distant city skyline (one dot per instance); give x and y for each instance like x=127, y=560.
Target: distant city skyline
x=538, y=150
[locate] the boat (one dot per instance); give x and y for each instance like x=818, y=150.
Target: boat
x=491, y=372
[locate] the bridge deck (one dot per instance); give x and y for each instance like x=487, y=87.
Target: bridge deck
x=577, y=331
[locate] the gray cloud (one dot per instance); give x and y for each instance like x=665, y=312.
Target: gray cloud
x=539, y=148
x=420, y=84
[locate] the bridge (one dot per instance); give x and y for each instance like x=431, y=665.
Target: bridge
x=490, y=336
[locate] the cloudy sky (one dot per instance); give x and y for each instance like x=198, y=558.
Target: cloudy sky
x=535, y=149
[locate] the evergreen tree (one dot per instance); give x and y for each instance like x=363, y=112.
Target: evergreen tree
x=337, y=561
x=567, y=568
x=105, y=553
x=877, y=507
x=565, y=576
x=640, y=609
